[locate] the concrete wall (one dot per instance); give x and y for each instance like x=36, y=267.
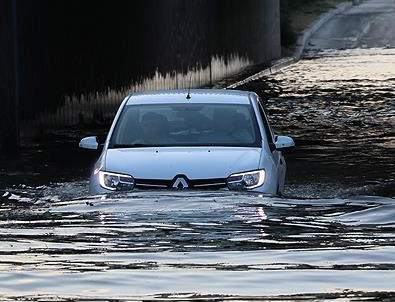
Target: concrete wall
x=79, y=58
x=9, y=130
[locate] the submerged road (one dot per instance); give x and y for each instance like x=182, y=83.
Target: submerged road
x=340, y=108
x=339, y=104
x=370, y=24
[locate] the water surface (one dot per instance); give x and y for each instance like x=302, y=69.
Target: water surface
x=332, y=237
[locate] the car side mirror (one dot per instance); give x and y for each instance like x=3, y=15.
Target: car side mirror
x=283, y=142
x=89, y=143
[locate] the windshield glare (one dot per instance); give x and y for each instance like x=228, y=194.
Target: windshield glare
x=186, y=125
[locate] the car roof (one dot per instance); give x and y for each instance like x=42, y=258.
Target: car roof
x=196, y=96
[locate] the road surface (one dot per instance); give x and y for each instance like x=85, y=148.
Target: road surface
x=368, y=25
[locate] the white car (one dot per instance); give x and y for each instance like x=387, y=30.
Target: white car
x=198, y=139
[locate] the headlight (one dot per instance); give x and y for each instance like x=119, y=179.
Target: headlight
x=116, y=182
x=246, y=180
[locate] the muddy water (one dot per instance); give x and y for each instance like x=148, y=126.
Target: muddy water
x=331, y=237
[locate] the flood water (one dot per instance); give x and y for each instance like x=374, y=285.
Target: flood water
x=332, y=237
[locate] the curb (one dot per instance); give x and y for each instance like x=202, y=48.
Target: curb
x=300, y=46
x=277, y=66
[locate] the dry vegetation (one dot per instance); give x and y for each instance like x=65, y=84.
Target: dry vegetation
x=299, y=14
x=304, y=15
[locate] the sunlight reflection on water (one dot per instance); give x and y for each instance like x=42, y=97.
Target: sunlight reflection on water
x=326, y=240
x=209, y=243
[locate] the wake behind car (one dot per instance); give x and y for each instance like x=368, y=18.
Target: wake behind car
x=198, y=139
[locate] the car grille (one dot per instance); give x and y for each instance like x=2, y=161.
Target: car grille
x=194, y=184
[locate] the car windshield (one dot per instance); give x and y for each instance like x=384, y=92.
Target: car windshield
x=186, y=125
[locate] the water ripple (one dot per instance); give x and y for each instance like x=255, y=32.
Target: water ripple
x=331, y=237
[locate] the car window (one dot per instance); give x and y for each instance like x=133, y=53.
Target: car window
x=265, y=121
x=186, y=125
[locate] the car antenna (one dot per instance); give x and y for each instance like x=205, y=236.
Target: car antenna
x=189, y=87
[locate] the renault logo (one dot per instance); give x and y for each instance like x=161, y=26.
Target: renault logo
x=180, y=184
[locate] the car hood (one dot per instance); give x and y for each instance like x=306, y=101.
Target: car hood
x=195, y=163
